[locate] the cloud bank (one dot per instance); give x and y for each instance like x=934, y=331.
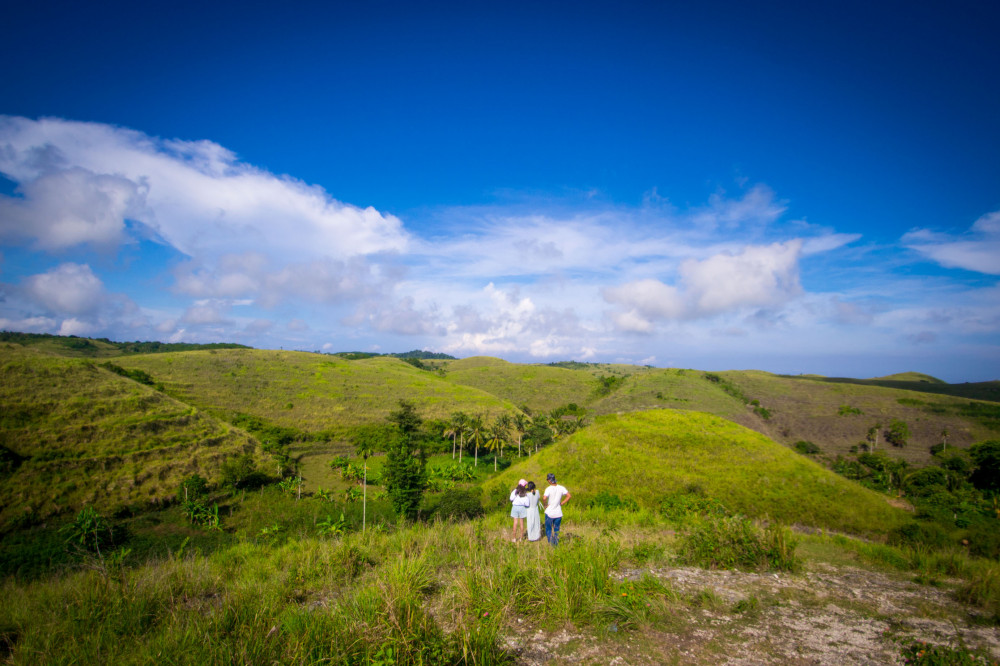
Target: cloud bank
x=271, y=261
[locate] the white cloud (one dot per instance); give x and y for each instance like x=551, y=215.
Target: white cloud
x=198, y=196
x=70, y=207
x=69, y=289
x=756, y=277
x=978, y=250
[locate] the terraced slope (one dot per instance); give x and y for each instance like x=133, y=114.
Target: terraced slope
x=76, y=433
x=311, y=392
x=542, y=388
x=647, y=456
x=826, y=413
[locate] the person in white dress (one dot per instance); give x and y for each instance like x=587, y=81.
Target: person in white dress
x=534, y=522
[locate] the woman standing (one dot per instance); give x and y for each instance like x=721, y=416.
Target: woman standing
x=534, y=523
x=518, y=509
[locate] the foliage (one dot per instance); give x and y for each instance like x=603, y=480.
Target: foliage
x=846, y=410
x=405, y=474
x=460, y=504
x=684, y=506
x=330, y=527
x=610, y=502
x=737, y=542
x=897, y=433
x=920, y=653
x=986, y=457
x=607, y=384
x=240, y=473
x=805, y=447
x=135, y=375
x=268, y=433
x=89, y=531
x=198, y=512
x=193, y=487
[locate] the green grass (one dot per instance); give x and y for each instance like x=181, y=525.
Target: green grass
x=85, y=435
x=311, y=392
x=647, y=456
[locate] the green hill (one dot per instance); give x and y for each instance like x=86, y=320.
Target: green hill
x=76, y=433
x=836, y=415
x=648, y=456
x=911, y=377
x=542, y=388
x=311, y=392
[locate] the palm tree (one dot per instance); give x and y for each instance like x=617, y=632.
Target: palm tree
x=521, y=426
x=477, y=433
x=365, y=447
x=451, y=432
x=460, y=424
x=498, y=436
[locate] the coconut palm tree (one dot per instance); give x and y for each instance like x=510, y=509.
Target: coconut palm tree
x=460, y=424
x=521, y=427
x=477, y=433
x=497, y=436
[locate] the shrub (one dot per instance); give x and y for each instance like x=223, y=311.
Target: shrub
x=241, y=473
x=897, y=433
x=845, y=410
x=462, y=504
x=608, y=501
x=806, y=448
x=917, y=533
x=738, y=542
x=193, y=488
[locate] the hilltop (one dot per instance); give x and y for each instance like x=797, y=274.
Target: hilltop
x=656, y=456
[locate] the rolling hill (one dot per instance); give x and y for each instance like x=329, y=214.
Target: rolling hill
x=649, y=456
x=77, y=433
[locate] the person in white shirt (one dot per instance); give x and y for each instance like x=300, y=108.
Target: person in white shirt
x=555, y=496
x=519, y=509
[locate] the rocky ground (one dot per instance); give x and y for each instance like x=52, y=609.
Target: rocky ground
x=827, y=614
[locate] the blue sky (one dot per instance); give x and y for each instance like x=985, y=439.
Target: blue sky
x=793, y=187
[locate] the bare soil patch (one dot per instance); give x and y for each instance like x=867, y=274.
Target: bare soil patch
x=825, y=615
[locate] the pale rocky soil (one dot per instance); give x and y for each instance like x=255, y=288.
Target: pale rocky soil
x=824, y=615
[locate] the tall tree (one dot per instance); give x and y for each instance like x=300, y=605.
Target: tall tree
x=477, y=433
x=520, y=427
x=461, y=421
x=406, y=464
x=367, y=440
x=496, y=438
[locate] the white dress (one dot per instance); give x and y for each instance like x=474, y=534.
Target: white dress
x=534, y=524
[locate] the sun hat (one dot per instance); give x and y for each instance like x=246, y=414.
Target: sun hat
x=522, y=482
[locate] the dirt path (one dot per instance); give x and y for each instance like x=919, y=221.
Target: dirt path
x=825, y=615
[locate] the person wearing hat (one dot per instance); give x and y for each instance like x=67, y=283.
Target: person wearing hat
x=519, y=509
x=555, y=496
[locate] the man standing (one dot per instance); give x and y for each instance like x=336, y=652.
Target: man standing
x=555, y=496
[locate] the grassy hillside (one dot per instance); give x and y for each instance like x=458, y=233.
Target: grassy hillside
x=648, y=456
x=837, y=415
x=311, y=392
x=542, y=388
x=78, y=433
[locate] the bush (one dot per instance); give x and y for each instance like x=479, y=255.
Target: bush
x=608, y=501
x=462, y=504
x=806, y=448
x=897, y=433
x=917, y=533
x=193, y=488
x=241, y=473
x=738, y=542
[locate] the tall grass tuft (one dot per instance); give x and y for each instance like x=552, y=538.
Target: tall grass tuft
x=738, y=542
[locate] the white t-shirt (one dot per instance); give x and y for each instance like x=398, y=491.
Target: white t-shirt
x=516, y=500
x=554, y=496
